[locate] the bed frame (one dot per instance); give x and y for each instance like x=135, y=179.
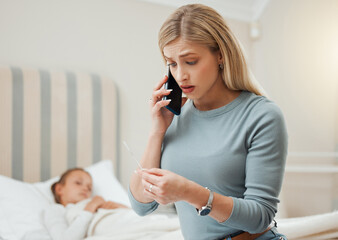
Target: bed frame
x=52, y=121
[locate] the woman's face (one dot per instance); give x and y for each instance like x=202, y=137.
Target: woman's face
x=196, y=70
x=77, y=187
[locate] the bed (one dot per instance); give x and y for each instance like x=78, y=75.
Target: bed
x=51, y=121
x=54, y=120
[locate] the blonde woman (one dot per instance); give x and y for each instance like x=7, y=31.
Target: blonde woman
x=222, y=160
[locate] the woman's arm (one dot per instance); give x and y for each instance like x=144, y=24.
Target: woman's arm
x=161, y=119
x=150, y=159
x=169, y=187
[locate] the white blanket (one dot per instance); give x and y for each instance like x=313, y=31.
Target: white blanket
x=321, y=226
x=124, y=223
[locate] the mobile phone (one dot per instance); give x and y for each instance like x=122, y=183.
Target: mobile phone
x=175, y=95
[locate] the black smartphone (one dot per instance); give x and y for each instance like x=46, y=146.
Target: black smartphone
x=175, y=95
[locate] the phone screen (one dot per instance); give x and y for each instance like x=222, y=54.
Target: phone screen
x=175, y=95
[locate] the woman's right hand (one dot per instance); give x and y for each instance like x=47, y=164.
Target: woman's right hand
x=161, y=116
x=161, y=120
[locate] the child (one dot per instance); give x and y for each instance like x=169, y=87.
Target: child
x=74, y=186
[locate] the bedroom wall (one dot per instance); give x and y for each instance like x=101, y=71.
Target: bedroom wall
x=296, y=60
x=113, y=37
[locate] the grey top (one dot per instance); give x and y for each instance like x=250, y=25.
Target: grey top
x=238, y=150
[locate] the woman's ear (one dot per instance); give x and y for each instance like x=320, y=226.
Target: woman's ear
x=219, y=57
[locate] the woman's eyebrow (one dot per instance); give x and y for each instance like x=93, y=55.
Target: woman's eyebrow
x=181, y=55
x=167, y=58
x=186, y=54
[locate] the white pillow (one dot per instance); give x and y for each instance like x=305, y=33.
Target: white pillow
x=20, y=206
x=105, y=184
x=21, y=203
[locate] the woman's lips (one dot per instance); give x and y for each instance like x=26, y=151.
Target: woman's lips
x=187, y=88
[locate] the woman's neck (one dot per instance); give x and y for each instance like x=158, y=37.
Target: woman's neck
x=219, y=96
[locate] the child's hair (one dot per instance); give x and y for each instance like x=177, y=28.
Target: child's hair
x=62, y=181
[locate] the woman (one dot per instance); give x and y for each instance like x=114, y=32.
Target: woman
x=222, y=160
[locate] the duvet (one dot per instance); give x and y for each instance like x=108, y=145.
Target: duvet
x=121, y=224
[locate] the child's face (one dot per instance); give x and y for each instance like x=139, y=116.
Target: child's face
x=78, y=186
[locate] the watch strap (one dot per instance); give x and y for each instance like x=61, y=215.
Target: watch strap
x=205, y=210
x=211, y=197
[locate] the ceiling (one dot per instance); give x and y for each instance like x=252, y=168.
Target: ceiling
x=243, y=10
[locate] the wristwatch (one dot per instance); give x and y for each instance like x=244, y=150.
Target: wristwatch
x=205, y=210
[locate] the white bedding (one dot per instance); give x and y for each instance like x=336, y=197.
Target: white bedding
x=321, y=226
x=21, y=205
x=121, y=224
x=126, y=224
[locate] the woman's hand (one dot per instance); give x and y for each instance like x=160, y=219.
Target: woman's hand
x=164, y=186
x=94, y=204
x=161, y=116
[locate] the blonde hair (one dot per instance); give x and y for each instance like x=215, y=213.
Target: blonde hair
x=203, y=25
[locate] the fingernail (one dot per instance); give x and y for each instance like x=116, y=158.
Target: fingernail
x=169, y=90
x=168, y=100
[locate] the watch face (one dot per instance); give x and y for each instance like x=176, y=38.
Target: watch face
x=205, y=211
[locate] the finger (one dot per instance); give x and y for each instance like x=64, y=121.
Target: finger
x=150, y=178
x=160, y=104
x=150, y=192
x=149, y=187
x=158, y=94
x=155, y=171
x=160, y=83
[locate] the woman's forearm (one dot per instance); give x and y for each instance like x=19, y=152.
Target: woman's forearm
x=198, y=196
x=150, y=159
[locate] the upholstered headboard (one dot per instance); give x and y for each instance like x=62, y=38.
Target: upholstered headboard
x=52, y=121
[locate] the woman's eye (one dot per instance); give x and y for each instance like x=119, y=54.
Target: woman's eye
x=192, y=62
x=172, y=64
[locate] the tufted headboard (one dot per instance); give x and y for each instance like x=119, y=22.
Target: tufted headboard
x=52, y=121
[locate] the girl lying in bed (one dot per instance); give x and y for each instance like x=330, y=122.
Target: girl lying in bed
x=74, y=186
x=78, y=215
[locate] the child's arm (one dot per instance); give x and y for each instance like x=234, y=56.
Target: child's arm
x=58, y=228
x=94, y=204
x=112, y=205
x=98, y=202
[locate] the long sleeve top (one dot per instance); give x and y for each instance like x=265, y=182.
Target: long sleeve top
x=60, y=228
x=238, y=150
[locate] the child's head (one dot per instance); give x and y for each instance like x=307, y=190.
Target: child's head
x=74, y=185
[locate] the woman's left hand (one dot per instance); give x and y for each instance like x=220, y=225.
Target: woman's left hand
x=163, y=186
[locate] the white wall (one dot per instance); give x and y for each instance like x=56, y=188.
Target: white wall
x=296, y=60
x=113, y=37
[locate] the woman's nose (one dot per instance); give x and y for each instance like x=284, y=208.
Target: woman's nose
x=181, y=74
